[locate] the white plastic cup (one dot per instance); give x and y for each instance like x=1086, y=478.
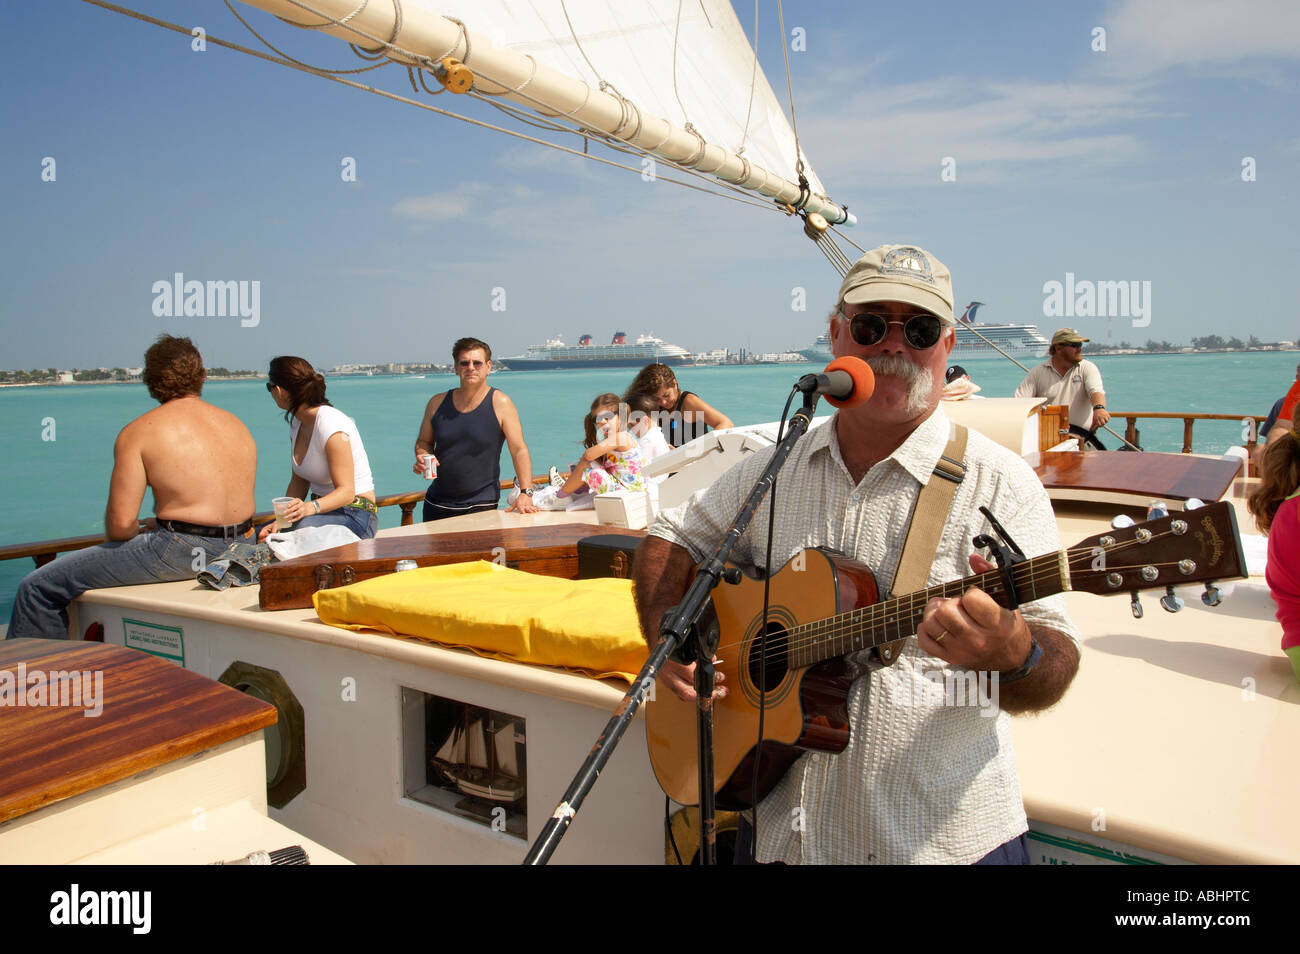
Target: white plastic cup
x=430, y=465
x=280, y=505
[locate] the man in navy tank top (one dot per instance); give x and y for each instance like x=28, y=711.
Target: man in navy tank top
x=464, y=430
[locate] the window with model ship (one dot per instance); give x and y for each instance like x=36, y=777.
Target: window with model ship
x=471, y=761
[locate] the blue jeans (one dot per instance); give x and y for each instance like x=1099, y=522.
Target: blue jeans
x=361, y=522
x=41, y=604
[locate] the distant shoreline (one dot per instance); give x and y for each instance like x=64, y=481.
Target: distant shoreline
x=65, y=384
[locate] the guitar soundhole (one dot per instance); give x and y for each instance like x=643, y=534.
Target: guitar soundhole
x=778, y=644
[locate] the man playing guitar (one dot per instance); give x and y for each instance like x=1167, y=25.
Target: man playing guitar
x=925, y=777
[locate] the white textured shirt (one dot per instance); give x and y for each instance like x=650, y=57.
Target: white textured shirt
x=1074, y=389
x=922, y=779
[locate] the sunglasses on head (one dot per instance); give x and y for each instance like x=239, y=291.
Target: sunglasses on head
x=920, y=331
x=465, y=363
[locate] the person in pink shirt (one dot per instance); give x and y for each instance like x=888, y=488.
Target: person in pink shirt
x=1276, y=506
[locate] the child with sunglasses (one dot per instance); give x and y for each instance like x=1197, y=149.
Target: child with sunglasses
x=612, y=460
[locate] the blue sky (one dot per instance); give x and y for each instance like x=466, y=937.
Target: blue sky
x=1115, y=165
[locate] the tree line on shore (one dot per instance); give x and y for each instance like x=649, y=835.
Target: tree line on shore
x=52, y=375
x=1206, y=343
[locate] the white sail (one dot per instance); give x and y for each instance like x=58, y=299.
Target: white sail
x=674, y=77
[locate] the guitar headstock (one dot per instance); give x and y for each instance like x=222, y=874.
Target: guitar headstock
x=1186, y=547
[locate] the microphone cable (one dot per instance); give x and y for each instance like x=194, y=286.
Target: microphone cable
x=762, y=640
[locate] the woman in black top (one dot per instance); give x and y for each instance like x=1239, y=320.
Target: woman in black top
x=684, y=415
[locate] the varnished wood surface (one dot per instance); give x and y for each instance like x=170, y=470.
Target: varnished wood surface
x=1169, y=476
x=154, y=712
x=548, y=550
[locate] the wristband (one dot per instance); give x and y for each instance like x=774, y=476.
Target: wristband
x=1035, y=654
x=1099, y=407
x=317, y=503
x=526, y=490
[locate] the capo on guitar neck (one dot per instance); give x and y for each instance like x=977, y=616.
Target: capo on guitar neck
x=1006, y=554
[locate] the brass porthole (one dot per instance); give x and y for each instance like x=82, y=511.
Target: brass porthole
x=286, y=741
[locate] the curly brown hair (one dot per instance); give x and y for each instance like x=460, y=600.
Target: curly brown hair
x=306, y=385
x=1280, y=476
x=652, y=379
x=173, y=368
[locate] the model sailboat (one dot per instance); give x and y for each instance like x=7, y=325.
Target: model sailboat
x=481, y=756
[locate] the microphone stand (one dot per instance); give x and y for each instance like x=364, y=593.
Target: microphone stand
x=673, y=629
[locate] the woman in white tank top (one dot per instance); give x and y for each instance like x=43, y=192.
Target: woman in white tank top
x=331, y=482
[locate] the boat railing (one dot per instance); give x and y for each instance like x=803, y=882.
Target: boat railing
x=1250, y=425
x=43, y=551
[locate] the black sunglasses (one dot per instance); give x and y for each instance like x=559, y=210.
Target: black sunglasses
x=920, y=331
x=269, y=386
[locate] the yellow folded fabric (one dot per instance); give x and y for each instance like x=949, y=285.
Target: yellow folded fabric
x=588, y=625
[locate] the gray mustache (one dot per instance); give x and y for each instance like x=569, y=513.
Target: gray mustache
x=920, y=382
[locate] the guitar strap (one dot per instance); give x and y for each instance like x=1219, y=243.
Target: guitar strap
x=929, y=514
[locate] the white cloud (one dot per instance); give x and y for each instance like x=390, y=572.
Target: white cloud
x=903, y=132
x=1148, y=36
x=446, y=206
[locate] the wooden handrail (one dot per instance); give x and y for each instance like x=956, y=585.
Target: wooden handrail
x=1131, y=418
x=43, y=551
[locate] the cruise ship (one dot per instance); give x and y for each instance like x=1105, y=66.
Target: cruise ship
x=619, y=353
x=1019, y=341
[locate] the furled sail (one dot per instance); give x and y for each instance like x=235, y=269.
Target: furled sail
x=676, y=78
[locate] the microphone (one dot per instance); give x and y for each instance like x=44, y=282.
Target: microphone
x=846, y=382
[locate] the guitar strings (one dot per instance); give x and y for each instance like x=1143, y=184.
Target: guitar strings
x=862, y=620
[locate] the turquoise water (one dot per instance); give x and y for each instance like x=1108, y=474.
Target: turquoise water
x=58, y=487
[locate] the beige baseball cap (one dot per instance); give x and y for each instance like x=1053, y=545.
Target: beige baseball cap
x=900, y=273
x=1068, y=336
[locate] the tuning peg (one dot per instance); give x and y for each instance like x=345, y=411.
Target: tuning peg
x=1121, y=521
x=1193, y=503
x=732, y=575
x=1211, y=596
x=1170, y=601
x=1135, y=606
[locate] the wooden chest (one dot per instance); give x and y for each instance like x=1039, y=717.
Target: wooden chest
x=550, y=550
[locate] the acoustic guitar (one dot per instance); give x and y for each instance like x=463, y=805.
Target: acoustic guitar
x=808, y=679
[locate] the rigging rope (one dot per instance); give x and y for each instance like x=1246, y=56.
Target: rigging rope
x=794, y=128
x=323, y=69
x=291, y=63
x=753, y=77
x=742, y=194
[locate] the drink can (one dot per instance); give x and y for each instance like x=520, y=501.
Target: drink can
x=406, y=565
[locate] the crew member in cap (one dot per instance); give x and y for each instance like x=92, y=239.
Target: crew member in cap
x=928, y=775
x=1066, y=377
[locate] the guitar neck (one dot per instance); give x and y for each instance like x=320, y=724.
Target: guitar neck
x=870, y=626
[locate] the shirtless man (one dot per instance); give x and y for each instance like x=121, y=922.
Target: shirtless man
x=201, y=463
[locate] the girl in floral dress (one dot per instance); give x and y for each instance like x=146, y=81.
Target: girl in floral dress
x=612, y=460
